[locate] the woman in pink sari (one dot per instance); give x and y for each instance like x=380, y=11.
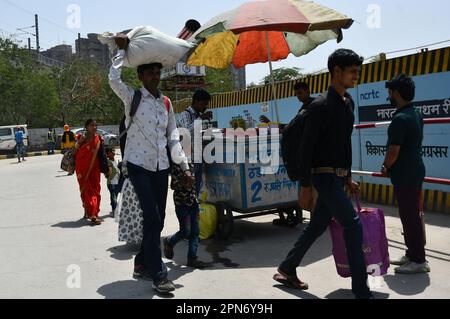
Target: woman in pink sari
x=87, y=167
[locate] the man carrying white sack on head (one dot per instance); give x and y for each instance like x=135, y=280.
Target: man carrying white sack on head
x=152, y=130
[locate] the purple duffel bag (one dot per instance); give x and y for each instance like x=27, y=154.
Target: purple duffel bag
x=375, y=244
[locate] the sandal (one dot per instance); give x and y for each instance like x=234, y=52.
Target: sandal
x=96, y=222
x=290, y=281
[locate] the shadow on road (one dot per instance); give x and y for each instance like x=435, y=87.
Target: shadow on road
x=131, y=289
x=408, y=285
x=347, y=294
x=124, y=252
x=260, y=245
x=73, y=224
x=298, y=293
x=177, y=271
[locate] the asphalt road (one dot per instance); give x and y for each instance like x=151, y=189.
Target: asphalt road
x=47, y=251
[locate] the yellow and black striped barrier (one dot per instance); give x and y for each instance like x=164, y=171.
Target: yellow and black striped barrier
x=434, y=61
x=433, y=200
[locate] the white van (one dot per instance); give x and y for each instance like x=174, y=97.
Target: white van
x=8, y=137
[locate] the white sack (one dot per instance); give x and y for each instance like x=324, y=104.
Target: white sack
x=149, y=45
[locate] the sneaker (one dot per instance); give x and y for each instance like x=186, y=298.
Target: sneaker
x=197, y=264
x=165, y=286
x=168, y=249
x=141, y=273
x=413, y=268
x=400, y=262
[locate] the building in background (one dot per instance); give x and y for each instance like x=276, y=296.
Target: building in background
x=90, y=48
x=62, y=53
x=239, y=78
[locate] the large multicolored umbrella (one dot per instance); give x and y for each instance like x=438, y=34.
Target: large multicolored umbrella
x=265, y=31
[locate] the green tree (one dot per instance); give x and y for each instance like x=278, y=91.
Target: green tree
x=27, y=93
x=218, y=80
x=283, y=74
x=252, y=85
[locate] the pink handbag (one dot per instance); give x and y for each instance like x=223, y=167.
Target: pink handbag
x=375, y=243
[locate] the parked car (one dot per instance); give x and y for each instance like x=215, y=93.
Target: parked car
x=8, y=137
x=111, y=140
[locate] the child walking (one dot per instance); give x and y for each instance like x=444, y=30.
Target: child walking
x=113, y=179
x=187, y=210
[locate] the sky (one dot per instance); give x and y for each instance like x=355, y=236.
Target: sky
x=393, y=24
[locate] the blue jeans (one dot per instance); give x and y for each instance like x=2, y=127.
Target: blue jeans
x=20, y=148
x=113, y=192
x=51, y=148
x=198, y=174
x=151, y=189
x=188, y=217
x=333, y=202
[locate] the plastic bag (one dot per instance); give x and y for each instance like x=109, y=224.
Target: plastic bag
x=208, y=221
x=149, y=45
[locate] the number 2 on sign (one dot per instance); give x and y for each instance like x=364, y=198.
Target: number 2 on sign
x=256, y=188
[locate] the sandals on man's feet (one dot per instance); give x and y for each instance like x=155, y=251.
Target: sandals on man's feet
x=290, y=281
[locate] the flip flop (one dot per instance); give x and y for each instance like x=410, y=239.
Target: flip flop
x=96, y=221
x=291, y=282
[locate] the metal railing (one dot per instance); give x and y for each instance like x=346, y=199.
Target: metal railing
x=429, y=180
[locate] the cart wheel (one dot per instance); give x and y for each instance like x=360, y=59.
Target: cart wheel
x=225, y=223
x=289, y=218
x=299, y=215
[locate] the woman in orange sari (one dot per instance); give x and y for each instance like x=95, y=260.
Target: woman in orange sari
x=87, y=167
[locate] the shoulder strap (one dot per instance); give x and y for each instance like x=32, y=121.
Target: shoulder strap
x=134, y=107
x=166, y=103
x=136, y=102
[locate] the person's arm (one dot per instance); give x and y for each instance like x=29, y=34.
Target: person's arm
x=123, y=91
x=79, y=143
x=397, y=134
x=307, y=146
x=390, y=159
x=173, y=141
x=185, y=121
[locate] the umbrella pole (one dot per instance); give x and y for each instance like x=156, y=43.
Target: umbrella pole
x=272, y=78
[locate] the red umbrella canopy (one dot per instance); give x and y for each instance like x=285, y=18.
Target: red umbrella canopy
x=240, y=36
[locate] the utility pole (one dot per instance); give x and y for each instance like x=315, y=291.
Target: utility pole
x=29, y=45
x=79, y=45
x=37, y=32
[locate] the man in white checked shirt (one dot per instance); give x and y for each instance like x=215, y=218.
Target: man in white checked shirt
x=188, y=119
x=153, y=129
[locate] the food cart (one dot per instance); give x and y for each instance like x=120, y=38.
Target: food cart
x=241, y=181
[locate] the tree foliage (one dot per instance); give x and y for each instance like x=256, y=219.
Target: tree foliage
x=33, y=94
x=39, y=96
x=283, y=74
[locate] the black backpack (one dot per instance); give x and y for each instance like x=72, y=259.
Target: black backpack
x=104, y=165
x=291, y=139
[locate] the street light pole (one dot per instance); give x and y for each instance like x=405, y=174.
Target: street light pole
x=36, y=18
